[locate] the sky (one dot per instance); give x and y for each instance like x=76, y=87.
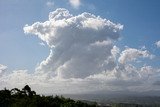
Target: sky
x=85, y=45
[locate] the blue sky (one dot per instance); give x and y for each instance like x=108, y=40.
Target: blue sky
x=140, y=18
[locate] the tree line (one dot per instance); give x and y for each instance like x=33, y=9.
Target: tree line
x=28, y=98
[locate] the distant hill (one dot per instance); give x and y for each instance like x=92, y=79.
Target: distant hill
x=120, y=99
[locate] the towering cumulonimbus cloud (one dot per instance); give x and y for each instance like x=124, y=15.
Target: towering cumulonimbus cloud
x=80, y=45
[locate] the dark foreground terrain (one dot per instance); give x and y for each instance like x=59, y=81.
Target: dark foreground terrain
x=28, y=98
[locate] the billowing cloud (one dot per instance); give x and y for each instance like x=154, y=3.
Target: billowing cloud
x=131, y=54
x=157, y=44
x=80, y=45
x=75, y=3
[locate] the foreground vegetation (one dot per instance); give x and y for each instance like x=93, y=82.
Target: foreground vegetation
x=28, y=98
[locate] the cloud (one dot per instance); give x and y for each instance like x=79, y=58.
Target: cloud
x=84, y=56
x=78, y=49
x=75, y=3
x=115, y=51
x=131, y=54
x=118, y=79
x=2, y=69
x=157, y=44
x=50, y=3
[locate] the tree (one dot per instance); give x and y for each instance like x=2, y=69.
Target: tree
x=15, y=91
x=28, y=91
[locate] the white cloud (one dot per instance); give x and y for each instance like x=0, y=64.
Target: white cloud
x=118, y=79
x=79, y=49
x=50, y=3
x=115, y=51
x=75, y=3
x=157, y=44
x=83, y=55
x=2, y=69
x=131, y=54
